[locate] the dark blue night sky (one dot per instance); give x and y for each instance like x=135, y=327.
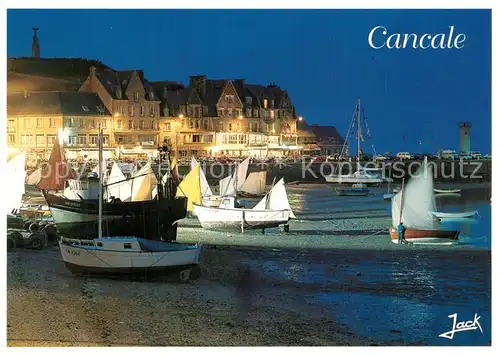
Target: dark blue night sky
x=413, y=99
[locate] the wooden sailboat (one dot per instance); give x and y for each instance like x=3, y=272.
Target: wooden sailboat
x=79, y=218
x=272, y=211
x=125, y=254
x=412, y=206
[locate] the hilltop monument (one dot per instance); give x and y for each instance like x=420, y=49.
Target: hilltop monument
x=35, y=45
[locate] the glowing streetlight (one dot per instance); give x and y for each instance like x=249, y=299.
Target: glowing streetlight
x=240, y=117
x=301, y=118
x=181, y=116
x=117, y=114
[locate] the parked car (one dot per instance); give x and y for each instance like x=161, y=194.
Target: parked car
x=448, y=154
x=380, y=158
x=487, y=156
x=404, y=155
x=465, y=156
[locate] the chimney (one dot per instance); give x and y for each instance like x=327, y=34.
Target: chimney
x=199, y=83
x=239, y=82
x=92, y=71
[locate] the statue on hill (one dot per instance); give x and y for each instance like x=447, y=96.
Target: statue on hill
x=35, y=45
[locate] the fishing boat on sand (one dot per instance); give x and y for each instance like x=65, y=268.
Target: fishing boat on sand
x=272, y=211
x=128, y=254
x=79, y=218
x=412, y=206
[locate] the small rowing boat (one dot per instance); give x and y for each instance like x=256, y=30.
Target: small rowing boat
x=464, y=215
x=447, y=191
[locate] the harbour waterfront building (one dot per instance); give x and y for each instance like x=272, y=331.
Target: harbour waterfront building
x=36, y=119
x=221, y=117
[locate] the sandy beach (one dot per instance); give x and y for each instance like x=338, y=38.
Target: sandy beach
x=234, y=302
x=334, y=279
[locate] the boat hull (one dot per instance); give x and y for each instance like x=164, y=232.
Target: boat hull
x=94, y=259
x=151, y=219
x=236, y=219
x=447, y=191
x=354, y=192
x=464, y=215
x=389, y=196
x=418, y=236
x=354, y=180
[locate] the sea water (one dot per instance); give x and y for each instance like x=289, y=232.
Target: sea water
x=400, y=292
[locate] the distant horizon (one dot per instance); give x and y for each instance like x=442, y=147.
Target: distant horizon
x=414, y=99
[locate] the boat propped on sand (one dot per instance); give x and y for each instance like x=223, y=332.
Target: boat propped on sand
x=108, y=254
x=412, y=206
x=79, y=218
x=272, y=211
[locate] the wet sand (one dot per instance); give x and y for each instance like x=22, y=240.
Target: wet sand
x=238, y=300
x=317, y=285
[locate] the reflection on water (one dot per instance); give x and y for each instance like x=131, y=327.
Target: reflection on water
x=381, y=290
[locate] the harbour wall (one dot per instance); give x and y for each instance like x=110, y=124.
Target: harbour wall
x=477, y=171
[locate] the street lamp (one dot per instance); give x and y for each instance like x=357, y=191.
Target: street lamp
x=301, y=118
x=181, y=116
x=240, y=117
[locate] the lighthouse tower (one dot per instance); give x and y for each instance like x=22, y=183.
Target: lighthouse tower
x=465, y=137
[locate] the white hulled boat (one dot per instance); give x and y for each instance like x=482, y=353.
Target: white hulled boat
x=126, y=254
x=365, y=175
x=272, y=211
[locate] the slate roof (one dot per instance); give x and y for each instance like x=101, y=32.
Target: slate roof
x=326, y=134
x=55, y=103
x=115, y=81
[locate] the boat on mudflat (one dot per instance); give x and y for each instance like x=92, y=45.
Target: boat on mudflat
x=127, y=254
x=413, y=206
x=421, y=236
x=79, y=218
x=272, y=211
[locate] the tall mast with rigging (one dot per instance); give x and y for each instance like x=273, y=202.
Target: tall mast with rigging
x=99, y=233
x=359, y=129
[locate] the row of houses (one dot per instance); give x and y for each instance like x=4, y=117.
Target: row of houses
x=205, y=118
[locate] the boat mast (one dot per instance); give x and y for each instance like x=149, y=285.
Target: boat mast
x=99, y=233
x=359, y=130
x=402, y=201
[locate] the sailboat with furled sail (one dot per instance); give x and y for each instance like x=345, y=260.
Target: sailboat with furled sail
x=126, y=254
x=413, y=206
